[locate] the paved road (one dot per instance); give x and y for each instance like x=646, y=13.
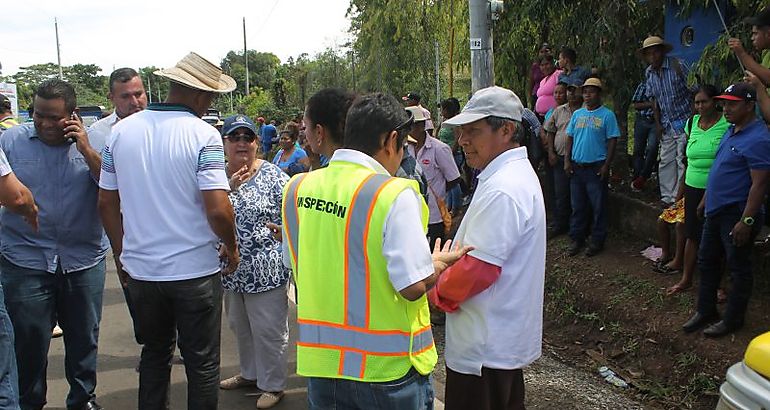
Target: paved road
x=549, y=381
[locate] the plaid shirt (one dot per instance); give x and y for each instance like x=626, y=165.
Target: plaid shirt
x=668, y=86
x=640, y=96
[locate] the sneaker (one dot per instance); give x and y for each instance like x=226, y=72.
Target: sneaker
x=575, y=248
x=638, y=184
x=56, y=332
x=269, y=399
x=236, y=382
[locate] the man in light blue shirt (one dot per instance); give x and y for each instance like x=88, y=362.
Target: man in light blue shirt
x=55, y=274
x=592, y=135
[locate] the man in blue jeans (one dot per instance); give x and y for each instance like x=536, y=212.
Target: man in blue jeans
x=645, y=137
x=56, y=273
x=16, y=198
x=735, y=190
x=592, y=135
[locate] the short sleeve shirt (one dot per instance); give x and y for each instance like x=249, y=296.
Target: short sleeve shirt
x=501, y=327
x=160, y=160
x=590, y=131
x=293, y=159
x=439, y=167
x=701, y=151
x=557, y=124
x=5, y=167
x=739, y=152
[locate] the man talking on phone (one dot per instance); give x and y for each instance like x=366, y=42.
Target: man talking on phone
x=55, y=273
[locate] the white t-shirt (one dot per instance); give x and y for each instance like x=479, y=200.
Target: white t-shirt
x=160, y=160
x=404, y=245
x=501, y=327
x=5, y=166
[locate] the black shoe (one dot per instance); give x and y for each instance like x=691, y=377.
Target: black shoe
x=720, y=329
x=91, y=405
x=594, y=249
x=698, y=321
x=575, y=248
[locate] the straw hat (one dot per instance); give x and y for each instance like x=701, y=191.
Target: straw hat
x=593, y=82
x=196, y=72
x=654, y=41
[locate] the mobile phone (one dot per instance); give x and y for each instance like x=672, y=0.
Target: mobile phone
x=73, y=116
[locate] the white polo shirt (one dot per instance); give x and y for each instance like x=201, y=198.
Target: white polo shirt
x=501, y=327
x=160, y=160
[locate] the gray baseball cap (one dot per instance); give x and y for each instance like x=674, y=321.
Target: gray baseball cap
x=489, y=102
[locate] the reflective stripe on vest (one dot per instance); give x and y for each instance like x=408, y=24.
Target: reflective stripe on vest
x=353, y=338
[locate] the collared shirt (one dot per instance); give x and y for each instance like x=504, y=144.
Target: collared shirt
x=578, y=75
x=103, y=127
x=590, y=130
x=160, y=160
x=505, y=223
x=70, y=232
x=557, y=124
x=439, y=167
x=403, y=244
x=729, y=181
x=640, y=96
x=668, y=86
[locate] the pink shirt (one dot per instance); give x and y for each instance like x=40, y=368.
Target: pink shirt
x=545, y=100
x=438, y=166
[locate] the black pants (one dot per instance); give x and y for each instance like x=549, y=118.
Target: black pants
x=193, y=309
x=494, y=390
x=715, y=243
x=562, y=198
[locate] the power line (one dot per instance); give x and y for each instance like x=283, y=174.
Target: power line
x=269, y=14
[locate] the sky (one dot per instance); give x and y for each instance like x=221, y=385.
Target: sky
x=140, y=33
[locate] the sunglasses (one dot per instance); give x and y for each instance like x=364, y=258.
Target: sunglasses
x=241, y=137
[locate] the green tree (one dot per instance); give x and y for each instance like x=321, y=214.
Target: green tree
x=262, y=69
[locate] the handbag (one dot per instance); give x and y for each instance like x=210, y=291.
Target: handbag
x=446, y=216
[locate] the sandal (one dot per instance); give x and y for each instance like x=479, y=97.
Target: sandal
x=664, y=269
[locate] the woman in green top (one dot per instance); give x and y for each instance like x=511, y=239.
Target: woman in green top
x=704, y=133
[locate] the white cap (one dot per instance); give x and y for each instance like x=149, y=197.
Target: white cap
x=489, y=102
x=418, y=113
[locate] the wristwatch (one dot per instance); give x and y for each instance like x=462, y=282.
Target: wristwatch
x=747, y=220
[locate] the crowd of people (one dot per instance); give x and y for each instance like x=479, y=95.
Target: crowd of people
x=355, y=208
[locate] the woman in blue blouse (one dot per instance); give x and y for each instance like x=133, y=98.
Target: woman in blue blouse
x=291, y=158
x=256, y=301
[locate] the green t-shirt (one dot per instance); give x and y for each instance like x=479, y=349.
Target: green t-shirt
x=702, y=148
x=447, y=136
x=765, y=59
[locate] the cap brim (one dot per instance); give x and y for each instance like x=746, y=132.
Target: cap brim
x=729, y=98
x=404, y=98
x=464, y=118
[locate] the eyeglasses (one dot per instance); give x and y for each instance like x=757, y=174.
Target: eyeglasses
x=406, y=125
x=241, y=137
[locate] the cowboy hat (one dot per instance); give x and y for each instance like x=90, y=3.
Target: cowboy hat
x=196, y=72
x=654, y=41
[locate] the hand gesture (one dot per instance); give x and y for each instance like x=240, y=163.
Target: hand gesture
x=752, y=79
x=239, y=177
x=447, y=254
x=276, y=231
x=736, y=46
x=230, y=259
x=74, y=129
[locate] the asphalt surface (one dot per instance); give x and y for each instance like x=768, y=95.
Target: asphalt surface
x=550, y=383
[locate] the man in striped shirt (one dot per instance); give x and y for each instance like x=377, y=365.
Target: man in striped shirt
x=666, y=83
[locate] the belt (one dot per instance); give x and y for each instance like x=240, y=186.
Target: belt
x=587, y=164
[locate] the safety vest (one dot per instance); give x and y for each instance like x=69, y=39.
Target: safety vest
x=6, y=123
x=352, y=323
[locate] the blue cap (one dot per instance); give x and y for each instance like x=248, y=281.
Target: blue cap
x=234, y=122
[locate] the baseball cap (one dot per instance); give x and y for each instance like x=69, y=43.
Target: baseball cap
x=417, y=113
x=234, y=122
x=411, y=96
x=760, y=20
x=489, y=102
x=739, y=92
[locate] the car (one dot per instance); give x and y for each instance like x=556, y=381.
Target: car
x=211, y=116
x=747, y=384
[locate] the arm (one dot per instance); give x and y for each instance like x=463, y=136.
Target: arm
x=221, y=218
x=109, y=211
x=763, y=99
x=75, y=129
x=612, y=143
x=18, y=199
x=463, y=280
x=741, y=232
x=568, y=156
x=748, y=61
x=643, y=105
x=442, y=260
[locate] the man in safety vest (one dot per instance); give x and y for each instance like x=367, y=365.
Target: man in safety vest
x=6, y=115
x=354, y=237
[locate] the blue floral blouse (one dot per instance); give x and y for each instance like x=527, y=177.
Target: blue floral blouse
x=256, y=203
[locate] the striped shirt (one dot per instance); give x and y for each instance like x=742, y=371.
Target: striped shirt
x=640, y=96
x=668, y=86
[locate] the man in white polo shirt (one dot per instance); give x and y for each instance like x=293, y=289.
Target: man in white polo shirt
x=494, y=294
x=164, y=205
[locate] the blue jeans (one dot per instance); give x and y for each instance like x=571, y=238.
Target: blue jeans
x=645, y=147
x=36, y=301
x=589, y=199
x=411, y=392
x=9, y=377
x=715, y=243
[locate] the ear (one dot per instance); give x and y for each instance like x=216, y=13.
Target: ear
x=320, y=131
x=390, y=143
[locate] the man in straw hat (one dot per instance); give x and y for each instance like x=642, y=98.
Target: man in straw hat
x=493, y=286
x=666, y=82
x=164, y=205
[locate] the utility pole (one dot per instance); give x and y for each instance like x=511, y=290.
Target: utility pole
x=245, y=56
x=438, y=78
x=451, y=48
x=58, y=53
x=482, y=12
x=149, y=87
